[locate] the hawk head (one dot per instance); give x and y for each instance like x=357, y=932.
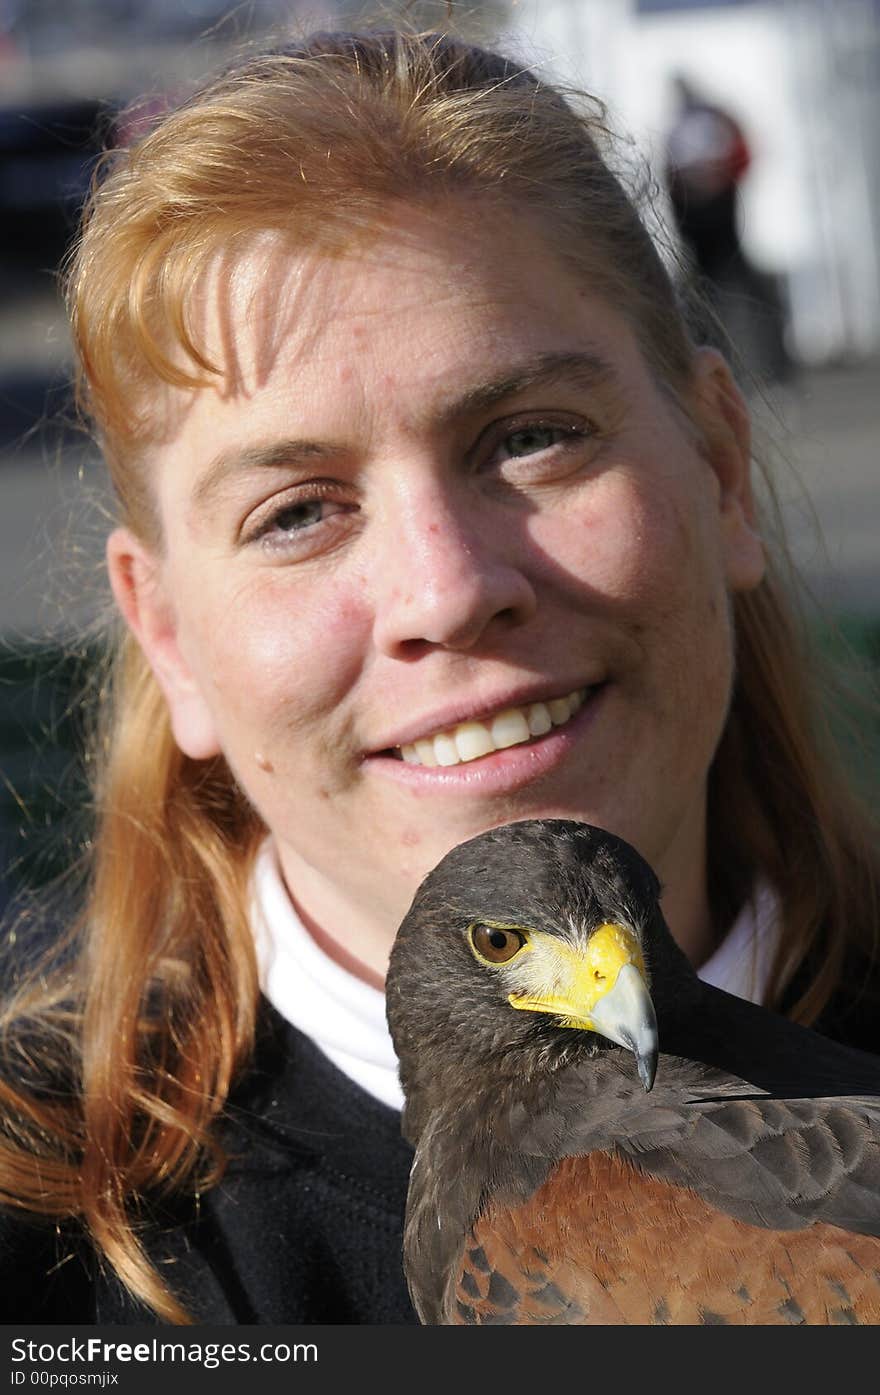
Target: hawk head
x=525, y=944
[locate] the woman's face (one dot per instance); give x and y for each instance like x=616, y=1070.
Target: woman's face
x=439, y=509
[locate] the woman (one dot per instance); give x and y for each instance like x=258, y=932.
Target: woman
x=432, y=516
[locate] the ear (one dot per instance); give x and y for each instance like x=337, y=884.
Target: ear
x=722, y=418
x=136, y=579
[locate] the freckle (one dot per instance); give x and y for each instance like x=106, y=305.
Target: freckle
x=263, y=762
x=433, y=528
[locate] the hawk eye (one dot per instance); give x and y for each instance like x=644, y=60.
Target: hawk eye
x=495, y=943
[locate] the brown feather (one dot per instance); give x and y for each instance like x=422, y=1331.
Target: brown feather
x=602, y=1243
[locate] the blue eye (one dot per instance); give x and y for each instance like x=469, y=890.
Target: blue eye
x=526, y=450
x=531, y=439
x=294, y=517
x=300, y=527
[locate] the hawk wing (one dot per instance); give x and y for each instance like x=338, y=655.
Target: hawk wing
x=604, y=1243
x=745, y=1187
x=709, y=1200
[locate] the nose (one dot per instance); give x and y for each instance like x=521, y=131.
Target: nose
x=450, y=578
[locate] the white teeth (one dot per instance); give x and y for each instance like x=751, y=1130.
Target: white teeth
x=539, y=719
x=444, y=749
x=425, y=752
x=509, y=728
x=471, y=740
x=559, y=710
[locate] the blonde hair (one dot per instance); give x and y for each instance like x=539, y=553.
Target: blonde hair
x=156, y=1006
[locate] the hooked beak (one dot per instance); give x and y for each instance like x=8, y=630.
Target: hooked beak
x=626, y=1015
x=601, y=989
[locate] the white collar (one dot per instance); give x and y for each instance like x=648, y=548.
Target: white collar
x=345, y=1017
x=742, y=962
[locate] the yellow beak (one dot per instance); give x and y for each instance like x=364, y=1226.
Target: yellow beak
x=601, y=988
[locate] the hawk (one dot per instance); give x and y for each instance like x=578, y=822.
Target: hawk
x=600, y=1137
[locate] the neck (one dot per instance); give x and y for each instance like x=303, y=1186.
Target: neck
x=360, y=934
x=685, y=900
x=339, y=953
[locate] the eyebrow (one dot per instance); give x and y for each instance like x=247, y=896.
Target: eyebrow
x=240, y=460
x=586, y=369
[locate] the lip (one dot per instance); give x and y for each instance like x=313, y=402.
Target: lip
x=501, y=771
x=444, y=719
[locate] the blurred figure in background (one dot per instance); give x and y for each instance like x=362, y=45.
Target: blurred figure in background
x=707, y=157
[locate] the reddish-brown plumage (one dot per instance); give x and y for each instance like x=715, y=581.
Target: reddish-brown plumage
x=601, y=1243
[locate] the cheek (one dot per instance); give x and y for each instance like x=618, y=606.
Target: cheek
x=632, y=542
x=680, y=597
x=277, y=655
x=642, y=551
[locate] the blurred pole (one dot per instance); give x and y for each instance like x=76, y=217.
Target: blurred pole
x=836, y=57
x=855, y=28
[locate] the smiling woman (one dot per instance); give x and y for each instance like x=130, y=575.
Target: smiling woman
x=431, y=517
x=487, y=514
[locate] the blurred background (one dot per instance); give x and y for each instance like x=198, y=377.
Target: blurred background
x=759, y=124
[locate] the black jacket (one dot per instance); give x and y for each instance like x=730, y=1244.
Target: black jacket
x=306, y=1226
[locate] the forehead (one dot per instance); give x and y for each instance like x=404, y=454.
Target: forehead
x=429, y=318
x=428, y=274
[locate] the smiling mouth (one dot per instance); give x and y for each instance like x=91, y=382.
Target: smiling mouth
x=513, y=726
